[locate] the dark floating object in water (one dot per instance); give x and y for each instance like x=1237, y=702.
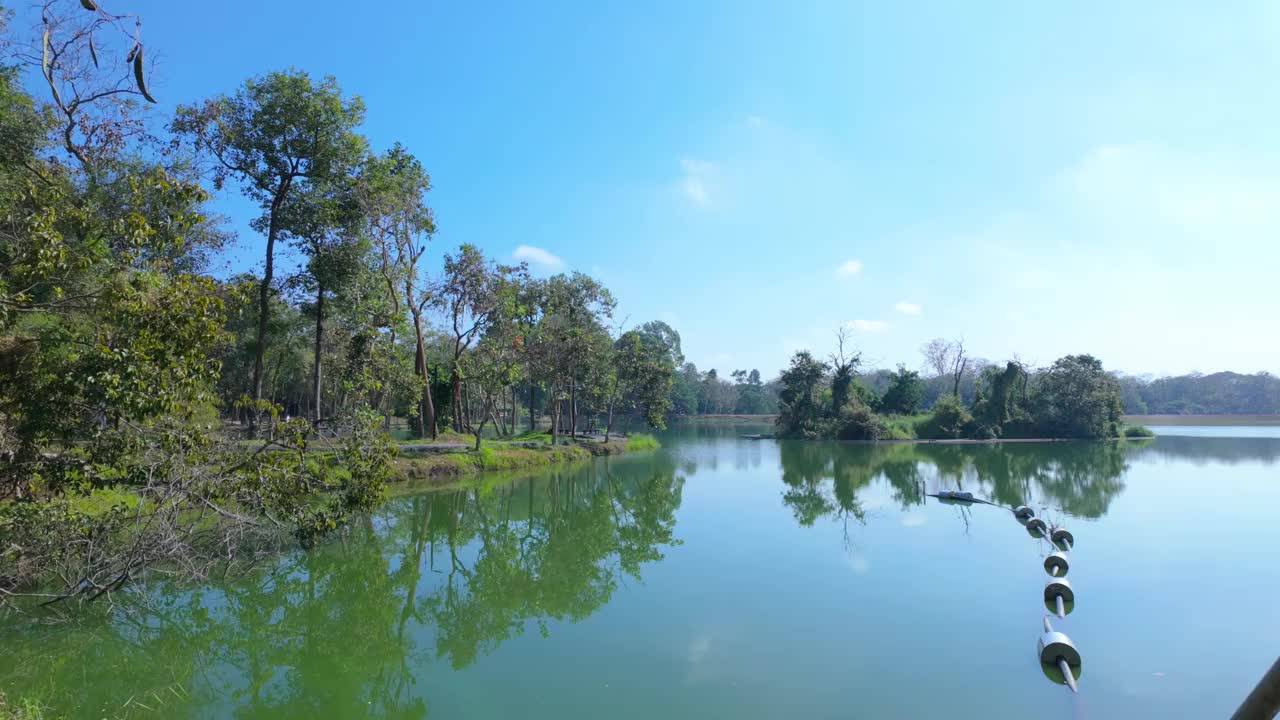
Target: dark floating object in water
x=1022, y=512
x=1036, y=527
x=956, y=496
x=758, y=437
x=1063, y=538
x=1058, y=591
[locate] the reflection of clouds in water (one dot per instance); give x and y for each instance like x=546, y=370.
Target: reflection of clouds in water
x=698, y=669
x=858, y=563
x=699, y=648
x=914, y=519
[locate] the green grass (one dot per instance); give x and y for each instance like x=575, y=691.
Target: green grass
x=638, y=442
x=24, y=709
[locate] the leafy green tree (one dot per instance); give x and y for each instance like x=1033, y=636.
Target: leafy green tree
x=1077, y=398
x=903, y=395
x=645, y=368
x=473, y=295
x=274, y=136
x=391, y=191
x=798, y=408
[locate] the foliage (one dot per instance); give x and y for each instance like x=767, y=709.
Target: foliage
x=1076, y=398
x=948, y=419
x=637, y=442
x=903, y=395
x=1136, y=431
x=798, y=410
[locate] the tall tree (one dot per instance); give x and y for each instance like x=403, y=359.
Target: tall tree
x=274, y=136
x=391, y=190
x=473, y=294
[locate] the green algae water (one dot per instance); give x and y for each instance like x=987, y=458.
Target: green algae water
x=723, y=577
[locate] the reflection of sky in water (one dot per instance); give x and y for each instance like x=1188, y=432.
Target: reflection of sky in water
x=1225, y=431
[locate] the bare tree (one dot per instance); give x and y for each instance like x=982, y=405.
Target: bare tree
x=93, y=82
x=946, y=358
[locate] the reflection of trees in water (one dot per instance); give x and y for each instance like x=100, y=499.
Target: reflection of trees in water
x=1205, y=450
x=1079, y=477
x=343, y=631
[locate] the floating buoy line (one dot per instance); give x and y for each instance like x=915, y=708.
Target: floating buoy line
x=1054, y=649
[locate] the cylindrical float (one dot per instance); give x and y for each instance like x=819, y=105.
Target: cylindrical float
x=1062, y=537
x=1036, y=527
x=1059, y=588
x=1057, y=564
x=1022, y=512
x=1055, y=646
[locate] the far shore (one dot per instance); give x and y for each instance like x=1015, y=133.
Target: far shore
x=1166, y=420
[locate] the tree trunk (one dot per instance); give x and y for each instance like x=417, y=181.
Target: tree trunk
x=573, y=410
x=264, y=302
x=608, y=427
x=427, y=408
x=455, y=392
x=533, y=425
x=555, y=414
x=315, y=370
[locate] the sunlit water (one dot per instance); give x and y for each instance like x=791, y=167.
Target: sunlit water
x=723, y=577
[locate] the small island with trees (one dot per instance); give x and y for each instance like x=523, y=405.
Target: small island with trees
x=1072, y=398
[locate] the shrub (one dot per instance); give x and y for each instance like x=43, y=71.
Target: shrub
x=1137, y=431
x=857, y=422
x=949, y=420
x=637, y=442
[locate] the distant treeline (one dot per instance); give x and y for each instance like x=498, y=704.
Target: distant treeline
x=1222, y=393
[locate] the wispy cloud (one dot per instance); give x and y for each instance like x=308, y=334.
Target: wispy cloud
x=870, y=326
x=695, y=181
x=909, y=308
x=538, y=257
x=849, y=268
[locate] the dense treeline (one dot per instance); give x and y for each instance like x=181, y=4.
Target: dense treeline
x=153, y=416
x=1072, y=398
x=699, y=393
x=1223, y=393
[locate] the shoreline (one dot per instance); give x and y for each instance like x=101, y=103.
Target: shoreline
x=496, y=456
x=952, y=441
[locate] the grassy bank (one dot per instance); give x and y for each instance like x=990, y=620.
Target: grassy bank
x=498, y=456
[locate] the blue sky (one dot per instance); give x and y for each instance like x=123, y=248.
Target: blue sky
x=1037, y=178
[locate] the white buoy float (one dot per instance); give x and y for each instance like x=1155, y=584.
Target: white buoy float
x=1057, y=564
x=1056, y=650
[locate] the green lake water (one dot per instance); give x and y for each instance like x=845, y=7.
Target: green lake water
x=727, y=578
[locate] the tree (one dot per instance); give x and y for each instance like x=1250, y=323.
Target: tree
x=390, y=190
x=946, y=358
x=472, y=295
x=752, y=397
x=1075, y=397
x=645, y=369
x=275, y=135
x=844, y=365
x=574, y=310
x=798, y=409
x=903, y=395
x=321, y=218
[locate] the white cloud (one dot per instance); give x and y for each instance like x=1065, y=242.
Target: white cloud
x=871, y=326
x=908, y=308
x=696, y=180
x=538, y=257
x=849, y=268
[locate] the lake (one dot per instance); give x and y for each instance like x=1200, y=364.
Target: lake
x=723, y=577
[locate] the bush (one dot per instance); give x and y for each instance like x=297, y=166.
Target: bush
x=949, y=420
x=901, y=427
x=637, y=442
x=1136, y=431
x=857, y=422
